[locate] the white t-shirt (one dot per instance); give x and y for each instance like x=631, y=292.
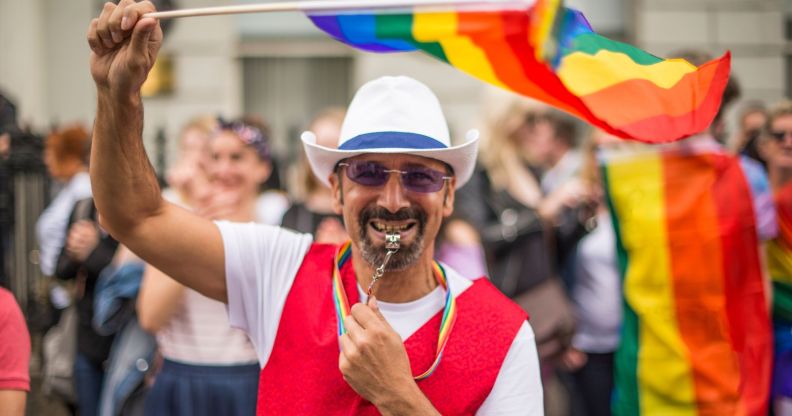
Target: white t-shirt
x=597, y=290
x=198, y=332
x=261, y=264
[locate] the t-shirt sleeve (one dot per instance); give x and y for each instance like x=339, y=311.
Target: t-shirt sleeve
x=764, y=208
x=518, y=388
x=14, y=345
x=261, y=262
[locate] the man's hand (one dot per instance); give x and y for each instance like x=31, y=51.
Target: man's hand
x=124, y=47
x=82, y=240
x=375, y=364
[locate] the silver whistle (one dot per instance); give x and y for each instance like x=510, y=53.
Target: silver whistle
x=392, y=244
x=392, y=241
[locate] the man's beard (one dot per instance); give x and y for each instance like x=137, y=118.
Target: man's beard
x=407, y=254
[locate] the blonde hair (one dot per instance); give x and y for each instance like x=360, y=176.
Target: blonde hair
x=304, y=181
x=504, y=114
x=206, y=125
x=780, y=109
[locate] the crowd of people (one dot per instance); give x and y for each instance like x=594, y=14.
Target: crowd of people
x=540, y=218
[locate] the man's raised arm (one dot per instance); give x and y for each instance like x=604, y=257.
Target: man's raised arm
x=186, y=247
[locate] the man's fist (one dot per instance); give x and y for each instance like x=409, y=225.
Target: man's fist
x=124, y=46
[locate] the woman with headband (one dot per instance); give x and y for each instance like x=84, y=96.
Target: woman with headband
x=208, y=367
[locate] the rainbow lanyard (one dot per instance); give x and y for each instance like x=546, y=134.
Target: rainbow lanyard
x=342, y=304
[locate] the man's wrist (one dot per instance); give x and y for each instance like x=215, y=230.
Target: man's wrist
x=112, y=98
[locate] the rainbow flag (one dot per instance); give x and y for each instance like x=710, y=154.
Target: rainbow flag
x=548, y=52
x=779, y=257
x=696, y=336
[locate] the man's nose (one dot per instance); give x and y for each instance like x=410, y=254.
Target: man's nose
x=393, y=196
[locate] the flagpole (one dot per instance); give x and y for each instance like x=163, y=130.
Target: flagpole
x=327, y=5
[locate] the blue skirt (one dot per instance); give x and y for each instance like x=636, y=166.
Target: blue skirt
x=198, y=390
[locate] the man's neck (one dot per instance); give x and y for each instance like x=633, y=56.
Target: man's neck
x=401, y=286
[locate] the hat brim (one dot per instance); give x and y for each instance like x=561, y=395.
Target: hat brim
x=461, y=158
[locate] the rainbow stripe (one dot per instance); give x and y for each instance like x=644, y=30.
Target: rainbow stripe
x=550, y=53
x=341, y=303
x=696, y=336
x=779, y=257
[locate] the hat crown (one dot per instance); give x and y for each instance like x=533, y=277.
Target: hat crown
x=394, y=104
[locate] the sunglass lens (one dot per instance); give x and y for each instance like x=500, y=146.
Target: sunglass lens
x=421, y=179
x=367, y=173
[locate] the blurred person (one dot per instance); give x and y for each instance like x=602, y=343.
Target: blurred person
x=750, y=123
x=88, y=250
x=273, y=184
x=314, y=212
x=553, y=148
x=690, y=220
x=193, y=156
x=596, y=294
x=14, y=356
x=8, y=127
x=519, y=229
x=65, y=157
x=280, y=286
x=133, y=351
x=776, y=148
x=201, y=352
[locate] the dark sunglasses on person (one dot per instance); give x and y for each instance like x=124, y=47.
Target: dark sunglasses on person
x=779, y=135
x=414, y=178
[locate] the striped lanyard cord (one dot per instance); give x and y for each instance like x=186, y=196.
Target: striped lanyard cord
x=342, y=307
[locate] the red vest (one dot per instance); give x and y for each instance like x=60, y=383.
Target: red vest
x=302, y=377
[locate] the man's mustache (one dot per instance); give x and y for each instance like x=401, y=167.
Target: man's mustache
x=411, y=213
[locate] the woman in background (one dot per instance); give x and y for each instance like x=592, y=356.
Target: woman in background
x=65, y=155
x=209, y=368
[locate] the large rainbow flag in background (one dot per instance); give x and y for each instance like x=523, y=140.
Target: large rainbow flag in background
x=548, y=52
x=696, y=336
x=779, y=257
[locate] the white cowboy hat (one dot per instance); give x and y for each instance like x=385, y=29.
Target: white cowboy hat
x=394, y=115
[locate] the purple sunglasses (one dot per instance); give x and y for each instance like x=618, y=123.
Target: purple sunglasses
x=414, y=178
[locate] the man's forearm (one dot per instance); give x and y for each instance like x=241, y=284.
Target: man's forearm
x=125, y=187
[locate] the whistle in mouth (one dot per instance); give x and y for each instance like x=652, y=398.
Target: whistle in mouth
x=392, y=241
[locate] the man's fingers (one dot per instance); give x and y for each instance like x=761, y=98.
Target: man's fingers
x=354, y=330
x=141, y=34
x=364, y=315
x=93, y=39
x=134, y=12
x=102, y=27
x=372, y=303
x=348, y=347
x=114, y=23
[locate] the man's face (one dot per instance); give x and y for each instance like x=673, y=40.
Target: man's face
x=370, y=211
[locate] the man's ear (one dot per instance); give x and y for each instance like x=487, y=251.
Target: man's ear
x=338, y=192
x=448, y=198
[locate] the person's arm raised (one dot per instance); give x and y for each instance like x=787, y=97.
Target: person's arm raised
x=124, y=47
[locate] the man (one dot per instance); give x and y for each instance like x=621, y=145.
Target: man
x=284, y=291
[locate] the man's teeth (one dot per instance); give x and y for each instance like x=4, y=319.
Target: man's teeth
x=390, y=228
